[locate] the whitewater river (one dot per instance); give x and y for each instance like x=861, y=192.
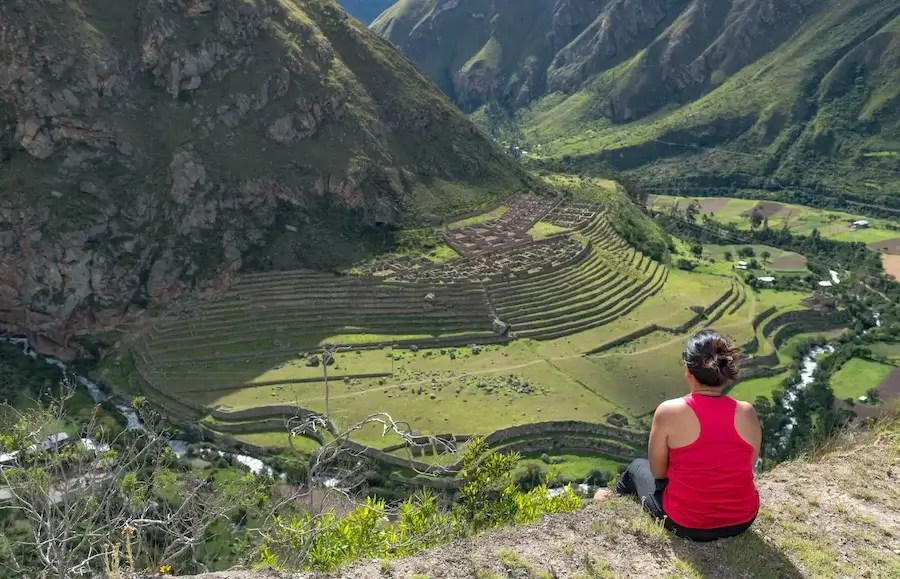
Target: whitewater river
x=808, y=368
x=133, y=420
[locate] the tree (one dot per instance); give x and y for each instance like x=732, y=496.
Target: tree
x=765, y=256
x=728, y=256
x=697, y=250
x=873, y=395
x=105, y=502
x=691, y=212
x=746, y=251
x=756, y=218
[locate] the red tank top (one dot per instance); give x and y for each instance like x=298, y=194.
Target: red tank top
x=711, y=479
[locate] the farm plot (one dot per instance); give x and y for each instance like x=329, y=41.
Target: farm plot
x=857, y=376
x=801, y=220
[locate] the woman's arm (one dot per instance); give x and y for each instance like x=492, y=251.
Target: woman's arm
x=749, y=428
x=658, y=448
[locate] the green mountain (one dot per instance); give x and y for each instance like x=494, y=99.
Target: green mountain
x=365, y=10
x=152, y=148
x=690, y=92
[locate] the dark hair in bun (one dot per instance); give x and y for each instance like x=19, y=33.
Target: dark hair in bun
x=712, y=359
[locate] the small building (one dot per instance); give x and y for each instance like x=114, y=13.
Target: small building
x=57, y=441
x=766, y=279
x=863, y=399
x=825, y=283
x=740, y=267
x=744, y=263
x=859, y=224
x=8, y=458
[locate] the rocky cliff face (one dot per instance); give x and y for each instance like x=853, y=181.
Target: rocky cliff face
x=155, y=147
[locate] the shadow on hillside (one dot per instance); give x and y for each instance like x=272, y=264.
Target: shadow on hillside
x=736, y=557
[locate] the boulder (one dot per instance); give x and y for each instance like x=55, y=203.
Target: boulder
x=499, y=327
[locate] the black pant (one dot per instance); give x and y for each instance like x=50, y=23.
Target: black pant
x=637, y=480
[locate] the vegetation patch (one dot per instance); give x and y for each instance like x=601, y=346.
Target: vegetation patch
x=859, y=378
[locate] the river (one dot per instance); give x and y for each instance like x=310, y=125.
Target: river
x=808, y=367
x=132, y=418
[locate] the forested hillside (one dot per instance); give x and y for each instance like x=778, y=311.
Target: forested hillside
x=802, y=92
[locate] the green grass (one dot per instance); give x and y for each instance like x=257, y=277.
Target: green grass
x=542, y=230
x=857, y=376
x=571, y=466
x=889, y=350
x=481, y=218
x=748, y=390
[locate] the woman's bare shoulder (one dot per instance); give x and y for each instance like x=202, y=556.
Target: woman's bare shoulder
x=672, y=406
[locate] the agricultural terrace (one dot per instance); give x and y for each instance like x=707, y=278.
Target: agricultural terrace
x=561, y=345
x=801, y=220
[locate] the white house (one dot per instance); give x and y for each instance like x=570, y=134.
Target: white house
x=744, y=263
x=766, y=279
x=825, y=283
x=859, y=224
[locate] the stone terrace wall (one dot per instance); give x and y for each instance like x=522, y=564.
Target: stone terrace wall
x=565, y=426
x=575, y=443
x=626, y=338
x=807, y=319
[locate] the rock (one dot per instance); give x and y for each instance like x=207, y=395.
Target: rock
x=313, y=361
x=35, y=139
x=432, y=396
x=499, y=327
x=476, y=349
x=186, y=174
x=429, y=297
x=453, y=355
x=414, y=348
x=192, y=83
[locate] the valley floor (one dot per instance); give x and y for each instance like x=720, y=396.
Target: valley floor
x=833, y=515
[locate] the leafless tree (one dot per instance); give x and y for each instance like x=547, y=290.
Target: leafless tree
x=92, y=504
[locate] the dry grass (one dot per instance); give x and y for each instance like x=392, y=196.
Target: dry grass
x=832, y=514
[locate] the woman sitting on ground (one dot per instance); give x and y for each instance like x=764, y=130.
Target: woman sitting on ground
x=702, y=451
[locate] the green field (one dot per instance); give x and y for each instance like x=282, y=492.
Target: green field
x=857, y=376
x=571, y=466
x=482, y=218
x=888, y=350
x=748, y=390
x=801, y=220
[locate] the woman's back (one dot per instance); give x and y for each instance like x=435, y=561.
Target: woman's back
x=710, y=467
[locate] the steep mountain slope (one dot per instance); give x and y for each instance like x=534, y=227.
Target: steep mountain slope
x=790, y=86
x=365, y=10
x=153, y=147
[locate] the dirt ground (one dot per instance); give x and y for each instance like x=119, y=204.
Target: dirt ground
x=819, y=518
x=712, y=205
x=795, y=261
x=765, y=208
x=889, y=246
x=889, y=389
x=891, y=264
